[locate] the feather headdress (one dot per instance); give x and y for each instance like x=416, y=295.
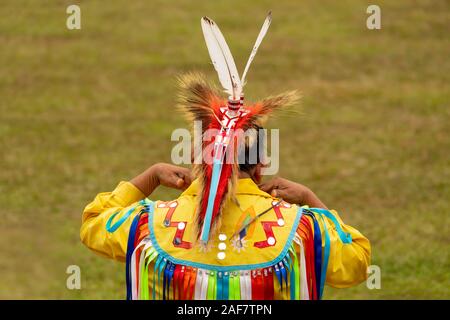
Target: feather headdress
x=203, y=102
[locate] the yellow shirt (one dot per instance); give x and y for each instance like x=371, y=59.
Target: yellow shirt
x=171, y=228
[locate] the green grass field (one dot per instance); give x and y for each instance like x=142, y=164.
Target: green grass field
x=83, y=109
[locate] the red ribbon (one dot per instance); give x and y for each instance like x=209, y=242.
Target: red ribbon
x=176, y=274
x=307, y=235
x=268, y=284
x=180, y=282
x=257, y=285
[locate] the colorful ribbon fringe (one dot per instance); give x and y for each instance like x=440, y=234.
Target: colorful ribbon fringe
x=300, y=275
x=179, y=282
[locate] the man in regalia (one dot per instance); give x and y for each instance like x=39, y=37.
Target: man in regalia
x=228, y=235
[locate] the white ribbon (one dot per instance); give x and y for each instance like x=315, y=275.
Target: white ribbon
x=304, y=293
x=204, y=286
x=243, y=284
x=134, y=277
x=248, y=285
x=198, y=284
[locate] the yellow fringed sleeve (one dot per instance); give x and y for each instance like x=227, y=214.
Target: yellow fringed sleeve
x=93, y=231
x=348, y=262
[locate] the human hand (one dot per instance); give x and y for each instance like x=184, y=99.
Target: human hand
x=162, y=174
x=171, y=176
x=291, y=192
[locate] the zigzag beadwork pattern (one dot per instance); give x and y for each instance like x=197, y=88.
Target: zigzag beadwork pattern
x=180, y=225
x=268, y=225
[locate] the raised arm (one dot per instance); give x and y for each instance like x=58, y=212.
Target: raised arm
x=106, y=221
x=348, y=250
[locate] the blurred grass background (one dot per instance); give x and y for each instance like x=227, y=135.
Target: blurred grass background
x=83, y=109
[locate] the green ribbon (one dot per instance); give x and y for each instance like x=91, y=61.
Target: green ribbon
x=294, y=275
x=150, y=255
x=231, y=287
x=162, y=266
x=144, y=282
x=155, y=273
x=237, y=287
x=211, y=293
x=234, y=287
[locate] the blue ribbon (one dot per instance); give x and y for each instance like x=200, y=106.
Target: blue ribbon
x=219, y=286
x=162, y=266
x=130, y=249
x=226, y=284
x=119, y=222
x=345, y=237
x=217, y=170
x=284, y=273
x=155, y=273
x=168, y=275
x=326, y=256
x=279, y=276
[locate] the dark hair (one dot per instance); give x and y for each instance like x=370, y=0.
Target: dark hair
x=251, y=148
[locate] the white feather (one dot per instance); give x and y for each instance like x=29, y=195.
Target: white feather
x=228, y=58
x=217, y=56
x=260, y=38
